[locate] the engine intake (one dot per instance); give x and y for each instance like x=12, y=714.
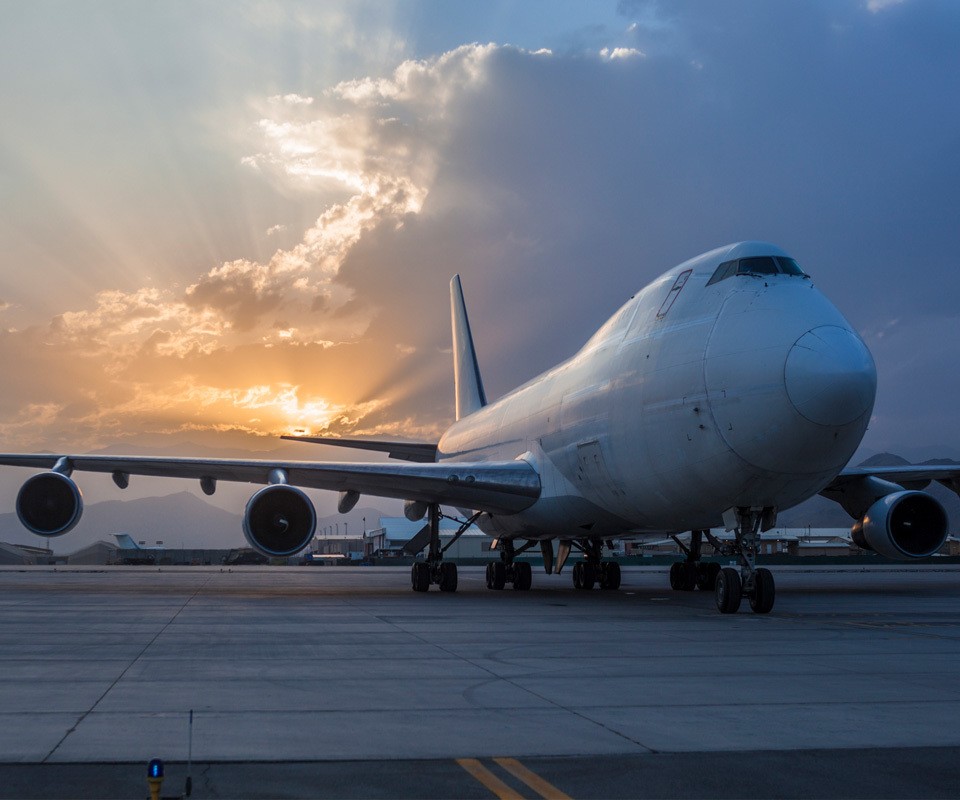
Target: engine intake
x=902, y=525
x=49, y=504
x=279, y=520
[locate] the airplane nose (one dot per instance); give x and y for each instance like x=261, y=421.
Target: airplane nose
x=830, y=376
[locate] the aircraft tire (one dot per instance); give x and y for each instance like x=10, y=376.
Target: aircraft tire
x=589, y=575
x=610, y=576
x=448, y=577
x=675, y=569
x=764, y=592
x=522, y=576
x=420, y=576
x=729, y=591
x=688, y=576
x=578, y=575
x=707, y=576
x=489, y=574
x=499, y=575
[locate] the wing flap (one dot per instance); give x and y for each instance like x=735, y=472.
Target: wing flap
x=504, y=487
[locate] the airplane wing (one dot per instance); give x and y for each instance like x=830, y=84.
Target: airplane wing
x=503, y=487
x=914, y=476
x=857, y=488
x=405, y=451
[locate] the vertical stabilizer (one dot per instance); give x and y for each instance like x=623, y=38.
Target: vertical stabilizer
x=466, y=373
x=125, y=541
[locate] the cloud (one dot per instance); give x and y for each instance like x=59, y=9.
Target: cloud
x=556, y=185
x=159, y=351
x=612, y=54
x=875, y=6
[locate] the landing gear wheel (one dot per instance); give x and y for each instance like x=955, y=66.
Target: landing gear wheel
x=764, y=591
x=448, y=577
x=498, y=575
x=676, y=568
x=578, y=575
x=729, y=591
x=522, y=576
x=583, y=575
x=420, y=576
x=610, y=575
x=689, y=574
x=707, y=576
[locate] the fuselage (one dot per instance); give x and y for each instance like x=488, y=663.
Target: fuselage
x=728, y=381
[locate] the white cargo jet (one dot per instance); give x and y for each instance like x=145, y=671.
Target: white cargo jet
x=727, y=389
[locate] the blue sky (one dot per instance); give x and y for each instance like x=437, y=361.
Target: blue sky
x=220, y=222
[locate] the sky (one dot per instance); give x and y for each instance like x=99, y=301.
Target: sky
x=221, y=222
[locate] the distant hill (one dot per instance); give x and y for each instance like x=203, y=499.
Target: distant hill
x=180, y=519
x=884, y=460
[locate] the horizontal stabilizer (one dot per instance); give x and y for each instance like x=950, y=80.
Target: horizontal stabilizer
x=421, y=452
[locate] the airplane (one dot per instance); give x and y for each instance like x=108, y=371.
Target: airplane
x=726, y=390
x=126, y=542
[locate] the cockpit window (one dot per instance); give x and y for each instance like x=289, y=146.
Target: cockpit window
x=789, y=266
x=757, y=265
x=725, y=270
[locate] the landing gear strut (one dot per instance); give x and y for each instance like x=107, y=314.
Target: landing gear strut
x=435, y=570
x=756, y=583
x=690, y=574
x=593, y=569
x=507, y=570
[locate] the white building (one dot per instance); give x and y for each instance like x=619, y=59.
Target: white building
x=394, y=532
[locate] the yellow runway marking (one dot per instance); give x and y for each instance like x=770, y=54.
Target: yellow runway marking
x=488, y=779
x=545, y=789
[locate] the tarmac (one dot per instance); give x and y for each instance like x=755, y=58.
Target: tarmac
x=342, y=682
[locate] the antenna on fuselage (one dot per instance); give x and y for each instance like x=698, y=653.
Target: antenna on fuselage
x=468, y=384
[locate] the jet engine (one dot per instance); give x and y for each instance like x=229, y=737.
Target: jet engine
x=279, y=520
x=49, y=504
x=902, y=525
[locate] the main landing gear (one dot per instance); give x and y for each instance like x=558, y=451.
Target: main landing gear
x=517, y=573
x=730, y=585
x=592, y=570
x=685, y=576
x=435, y=570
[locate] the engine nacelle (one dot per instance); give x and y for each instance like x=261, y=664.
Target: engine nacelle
x=902, y=525
x=49, y=504
x=279, y=520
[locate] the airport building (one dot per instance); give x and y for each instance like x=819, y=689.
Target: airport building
x=394, y=533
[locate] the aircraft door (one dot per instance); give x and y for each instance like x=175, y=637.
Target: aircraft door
x=594, y=478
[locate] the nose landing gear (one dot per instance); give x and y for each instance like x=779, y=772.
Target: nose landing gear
x=729, y=585
x=756, y=583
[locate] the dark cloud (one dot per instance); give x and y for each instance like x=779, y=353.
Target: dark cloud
x=566, y=183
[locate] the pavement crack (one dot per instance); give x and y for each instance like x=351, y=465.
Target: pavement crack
x=126, y=669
